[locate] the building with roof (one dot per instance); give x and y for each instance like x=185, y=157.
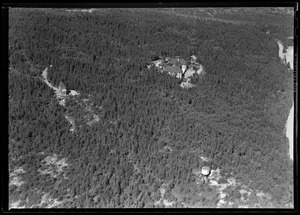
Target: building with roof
x=189, y=73
x=157, y=63
x=183, y=68
x=73, y=93
x=174, y=71
x=205, y=170
x=62, y=89
x=182, y=61
x=172, y=60
x=193, y=59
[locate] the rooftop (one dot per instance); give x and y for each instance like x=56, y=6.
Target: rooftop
x=173, y=69
x=62, y=86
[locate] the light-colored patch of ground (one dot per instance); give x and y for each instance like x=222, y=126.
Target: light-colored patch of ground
x=221, y=202
x=162, y=200
x=231, y=181
x=207, y=159
x=200, y=71
x=88, y=108
x=73, y=93
x=166, y=149
x=213, y=181
x=53, y=166
x=260, y=194
x=222, y=195
x=14, y=179
x=188, y=73
x=186, y=85
x=243, y=206
x=49, y=202
x=82, y=10
x=243, y=192
x=96, y=119
x=263, y=195
x=136, y=168
x=167, y=203
x=15, y=205
x=72, y=122
x=162, y=191
x=18, y=171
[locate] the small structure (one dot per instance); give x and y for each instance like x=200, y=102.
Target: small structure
x=189, y=73
x=172, y=60
x=157, y=63
x=196, y=171
x=193, y=59
x=268, y=32
x=183, y=68
x=186, y=84
x=62, y=89
x=174, y=71
x=155, y=58
x=182, y=61
x=205, y=170
x=200, y=70
x=73, y=93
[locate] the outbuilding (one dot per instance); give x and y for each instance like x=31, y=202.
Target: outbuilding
x=205, y=170
x=173, y=70
x=62, y=89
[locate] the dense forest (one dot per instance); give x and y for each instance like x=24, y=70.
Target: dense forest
x=235, y=116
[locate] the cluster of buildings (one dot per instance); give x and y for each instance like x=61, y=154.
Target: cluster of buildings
x=179, y=68
x=62, y=93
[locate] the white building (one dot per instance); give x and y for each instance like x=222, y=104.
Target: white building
x=157, y=63
x=200, y=70
x=179, y=75
x=193, y=58
x=189, y=73
x=205, y=170
x=62, y=89
x=73, y=93
x=183, y=68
